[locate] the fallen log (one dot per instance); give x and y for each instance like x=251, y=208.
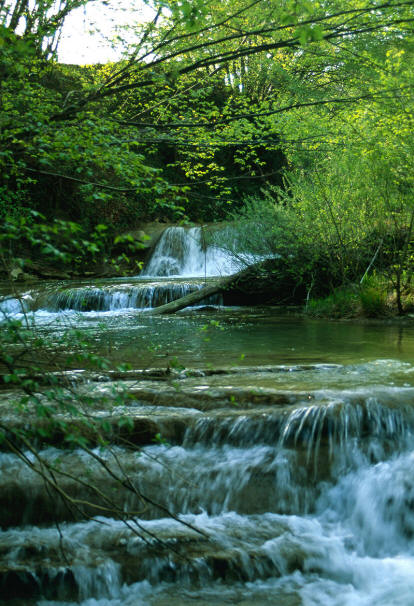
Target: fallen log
x=273, y=281
x=247, y=280
x=192, y=298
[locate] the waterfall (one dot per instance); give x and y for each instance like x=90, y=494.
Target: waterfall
x=183, y=252
x=110, y=296
x=289, y=481
x=270, y=525
x=118, y=297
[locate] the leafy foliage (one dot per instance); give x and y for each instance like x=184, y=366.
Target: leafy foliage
x=310, y=102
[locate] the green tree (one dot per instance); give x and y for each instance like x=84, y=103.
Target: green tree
x=207, y=106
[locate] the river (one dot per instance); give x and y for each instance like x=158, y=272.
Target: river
x=285, y=456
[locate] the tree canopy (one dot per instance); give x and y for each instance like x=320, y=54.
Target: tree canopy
x=308, y=102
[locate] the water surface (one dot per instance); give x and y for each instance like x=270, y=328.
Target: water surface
x=309, y=503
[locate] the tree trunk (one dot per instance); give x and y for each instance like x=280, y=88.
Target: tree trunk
x=256, y=283
x=192, y=298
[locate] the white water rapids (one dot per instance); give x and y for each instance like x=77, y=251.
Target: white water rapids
x=306, y=504
x=184, y=252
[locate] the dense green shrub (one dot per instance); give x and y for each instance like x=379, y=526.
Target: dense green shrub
x=340, y=304
x=374, y=297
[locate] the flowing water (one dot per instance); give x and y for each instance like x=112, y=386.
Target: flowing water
x=185, y=252
x=287, y=466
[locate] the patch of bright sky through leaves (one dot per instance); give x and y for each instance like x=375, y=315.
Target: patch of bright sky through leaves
x=94, y=33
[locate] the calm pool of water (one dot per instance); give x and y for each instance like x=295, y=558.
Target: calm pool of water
x=230, y=336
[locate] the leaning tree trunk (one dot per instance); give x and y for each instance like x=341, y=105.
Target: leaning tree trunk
x=192, y=298
x=254, y=280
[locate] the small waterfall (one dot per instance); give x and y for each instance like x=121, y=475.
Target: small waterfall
x=113, y=298
x=304, y=496
x=183, y=252
x=14, y=305
x=264, y=515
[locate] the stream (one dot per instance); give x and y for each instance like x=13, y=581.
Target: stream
x=285, y=453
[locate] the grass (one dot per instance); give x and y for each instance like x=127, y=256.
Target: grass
x=369, y=300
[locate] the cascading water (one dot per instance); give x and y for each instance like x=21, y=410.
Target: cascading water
x=115, y=297
x=306, y=502
x=289, y=481
x=184, y=252
x=181, y=255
